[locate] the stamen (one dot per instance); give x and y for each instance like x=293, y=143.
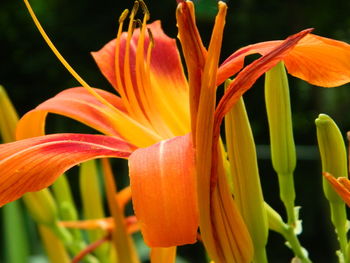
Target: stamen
x=61, y=59
x=145, y=9
x=130, y=89
x=144, y=89
x=120, y=87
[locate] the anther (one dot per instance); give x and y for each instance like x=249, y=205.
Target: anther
x=145, y=9
x=138, y=22
x=134, y=9
x=151, y=38
x=134, y=25
x=123, y=16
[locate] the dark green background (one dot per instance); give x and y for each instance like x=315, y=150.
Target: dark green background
x=31, y=74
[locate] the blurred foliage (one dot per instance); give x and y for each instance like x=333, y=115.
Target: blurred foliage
x=32, y=74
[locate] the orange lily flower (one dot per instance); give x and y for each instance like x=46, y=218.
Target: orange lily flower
x=180, y=172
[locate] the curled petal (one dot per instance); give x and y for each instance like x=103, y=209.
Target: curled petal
x=162, y=179
x=247, y=77
x=33, y=164
x=318, y=60
x=78, y=104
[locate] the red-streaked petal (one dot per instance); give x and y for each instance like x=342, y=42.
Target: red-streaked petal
x=194, y=53
x=79, y=104
x=162, y=179
x=33, y=164
x=75, y=103
x=247, y=77
x=235, y=62
x=318, y=60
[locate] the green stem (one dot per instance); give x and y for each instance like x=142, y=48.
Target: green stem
x=16, y=240
x=74, y=247
x=260, y=256
x=288, y=232
x=299, y=251
x=287, y=195
x=338, y=217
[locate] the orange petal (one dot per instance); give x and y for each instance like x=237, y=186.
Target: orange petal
x=79, y=104
x=235, y=62
x=162, y=179
x=247, y=77
x=340, y=185
x=33, y=164
x=204, y=136
x=194, y=53
x=318, y=60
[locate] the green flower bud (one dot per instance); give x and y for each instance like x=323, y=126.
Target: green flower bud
x=283, y=152
x=332, y=151
x=333, y=157
x=245, y=177
x=42, y=207
x=279, y=114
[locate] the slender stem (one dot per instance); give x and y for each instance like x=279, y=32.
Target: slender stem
x=260, y=256
x=291, y=237
x=122, y=241
x=73, y=247
x=287, y=194
x=338, y=217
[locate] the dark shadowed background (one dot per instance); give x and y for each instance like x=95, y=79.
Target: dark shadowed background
x=31, y=74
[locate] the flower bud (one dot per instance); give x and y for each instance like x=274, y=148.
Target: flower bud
x=283, y=152
x=245, y=176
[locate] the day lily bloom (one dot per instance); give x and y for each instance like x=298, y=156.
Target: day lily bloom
x=166, y=124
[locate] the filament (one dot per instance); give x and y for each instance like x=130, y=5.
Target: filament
x=62, y=60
